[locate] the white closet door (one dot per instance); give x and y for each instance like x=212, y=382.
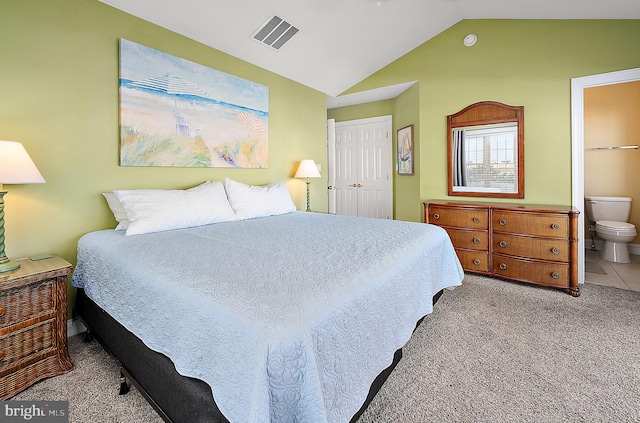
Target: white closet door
x=363, y=164
x=374, y=170
x=346, y=156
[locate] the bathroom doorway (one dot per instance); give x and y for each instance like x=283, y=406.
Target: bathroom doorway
x=580, y=86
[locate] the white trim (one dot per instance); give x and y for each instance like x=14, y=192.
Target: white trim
x=578, y=86
x=74, y=327
x=376, y=119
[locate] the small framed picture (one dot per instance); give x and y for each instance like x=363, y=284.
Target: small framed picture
x=404, y=141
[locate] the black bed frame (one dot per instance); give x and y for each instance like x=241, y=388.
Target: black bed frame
x=176, y=398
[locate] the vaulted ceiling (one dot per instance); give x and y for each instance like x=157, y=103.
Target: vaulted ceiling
x=341, y=42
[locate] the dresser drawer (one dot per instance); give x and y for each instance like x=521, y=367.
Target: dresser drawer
x=475, y=261
x=539, y=224
x=531, y=247
x=458, y=217
x=23, y=343
x=19, y=304
x=550, y=274
x=474, y=240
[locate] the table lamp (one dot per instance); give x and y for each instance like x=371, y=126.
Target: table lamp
x=308, y=169
x=16, y=167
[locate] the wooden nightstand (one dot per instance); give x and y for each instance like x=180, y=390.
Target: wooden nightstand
x=33, y=323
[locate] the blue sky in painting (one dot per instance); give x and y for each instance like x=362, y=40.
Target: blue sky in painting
x=145, y=62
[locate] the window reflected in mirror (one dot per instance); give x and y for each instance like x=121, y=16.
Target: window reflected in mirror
x=486, y=158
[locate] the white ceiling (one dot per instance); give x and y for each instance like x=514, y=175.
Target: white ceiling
x=342, y=42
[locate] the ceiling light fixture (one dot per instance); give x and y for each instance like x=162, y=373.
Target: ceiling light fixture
x=470, y=40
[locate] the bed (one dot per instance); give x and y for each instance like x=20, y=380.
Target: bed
x=290, y=317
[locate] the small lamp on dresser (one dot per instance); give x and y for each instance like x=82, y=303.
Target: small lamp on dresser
x=308, y=169
x=16, y=167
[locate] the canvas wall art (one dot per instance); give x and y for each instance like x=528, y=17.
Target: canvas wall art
x=174, y=112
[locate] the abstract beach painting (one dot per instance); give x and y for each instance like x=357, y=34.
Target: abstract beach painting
x=174, y=112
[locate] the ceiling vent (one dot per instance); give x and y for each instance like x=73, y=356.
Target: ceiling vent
x=275, y=32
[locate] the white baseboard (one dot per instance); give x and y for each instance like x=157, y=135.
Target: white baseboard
x=74, y=327
x=633, y=248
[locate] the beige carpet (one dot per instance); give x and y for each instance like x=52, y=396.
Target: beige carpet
x=492, y=351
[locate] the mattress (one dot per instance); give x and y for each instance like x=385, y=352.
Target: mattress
x=287, y=318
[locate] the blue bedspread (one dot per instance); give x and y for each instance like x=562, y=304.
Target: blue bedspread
x=288, y=318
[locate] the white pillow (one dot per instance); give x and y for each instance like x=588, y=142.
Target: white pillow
x=118, y=211
x=251, y=201
x=154, y=210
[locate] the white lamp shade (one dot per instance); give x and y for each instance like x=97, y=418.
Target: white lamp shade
x=16, y=167
x=307, y=169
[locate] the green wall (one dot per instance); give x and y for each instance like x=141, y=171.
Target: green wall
x=407, y=112
x=518, y=62
x=59, y=85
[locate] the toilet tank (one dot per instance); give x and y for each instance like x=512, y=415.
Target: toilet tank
x=608, y=208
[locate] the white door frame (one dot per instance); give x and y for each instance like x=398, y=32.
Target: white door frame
x=578, y=85
x=331, y=168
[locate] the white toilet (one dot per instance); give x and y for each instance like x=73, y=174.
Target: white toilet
x=611, y=216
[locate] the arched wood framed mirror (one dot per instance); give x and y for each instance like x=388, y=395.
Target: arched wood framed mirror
x=485, y=149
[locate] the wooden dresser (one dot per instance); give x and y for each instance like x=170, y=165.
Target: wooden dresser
x=521, y=242
x=33, y=323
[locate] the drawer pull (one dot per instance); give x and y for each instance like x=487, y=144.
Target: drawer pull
x=2, y=311
x=476, y=220
x=555, y=226
x=503, y=222
x=555, y=251
x=503, y=266
x=476, y=262
x=476, y=241
x=555, y=275
x=503, y=244
x=436, y=216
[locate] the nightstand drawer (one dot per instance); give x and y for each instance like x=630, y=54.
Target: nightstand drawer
x=21, y=344
x=19, y=304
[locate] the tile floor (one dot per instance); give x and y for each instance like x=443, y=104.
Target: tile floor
x=602, y=272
